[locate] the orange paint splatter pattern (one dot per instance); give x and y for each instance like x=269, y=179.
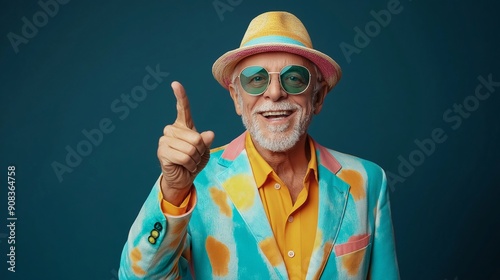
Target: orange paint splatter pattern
x=355, y=180
x=135, y=257
x=218, y=254
x=352, y=261
x=220, y=198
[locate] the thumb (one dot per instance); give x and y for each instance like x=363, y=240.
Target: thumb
x=208, y=138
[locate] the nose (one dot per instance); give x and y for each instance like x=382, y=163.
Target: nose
x=274, y=90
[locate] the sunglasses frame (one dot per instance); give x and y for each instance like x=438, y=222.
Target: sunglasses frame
x=279, y=79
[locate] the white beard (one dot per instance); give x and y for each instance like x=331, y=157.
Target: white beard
x=278, y=140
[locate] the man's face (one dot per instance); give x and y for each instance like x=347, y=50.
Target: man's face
x=276, y=120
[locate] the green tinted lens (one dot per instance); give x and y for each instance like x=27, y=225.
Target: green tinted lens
x=254, y=80
x=294, y=79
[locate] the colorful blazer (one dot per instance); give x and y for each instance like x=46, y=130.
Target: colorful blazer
x=227, y=235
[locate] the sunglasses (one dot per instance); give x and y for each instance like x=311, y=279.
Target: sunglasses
x=294, y=79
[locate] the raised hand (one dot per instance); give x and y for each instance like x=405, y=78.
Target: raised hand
x=182, y=151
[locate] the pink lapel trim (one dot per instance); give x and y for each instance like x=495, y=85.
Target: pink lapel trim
x=234, y=148
x=327, y=159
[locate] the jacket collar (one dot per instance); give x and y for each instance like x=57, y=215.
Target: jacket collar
x=234, y=149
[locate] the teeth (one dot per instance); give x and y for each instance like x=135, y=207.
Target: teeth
x=276, y=113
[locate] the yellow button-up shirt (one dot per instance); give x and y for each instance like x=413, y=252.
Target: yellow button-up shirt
x=293, y=225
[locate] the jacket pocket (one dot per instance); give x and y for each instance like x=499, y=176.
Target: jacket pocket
x=355, y=243
x=352, y=257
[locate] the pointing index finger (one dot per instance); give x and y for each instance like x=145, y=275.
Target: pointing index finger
x=183, y=109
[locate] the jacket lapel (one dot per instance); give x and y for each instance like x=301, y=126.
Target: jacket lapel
x=237, y=180
x=333, y=195
x=239, y=184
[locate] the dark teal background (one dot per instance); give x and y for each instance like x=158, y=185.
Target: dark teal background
x=393, y=92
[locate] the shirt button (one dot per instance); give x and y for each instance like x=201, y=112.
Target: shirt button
x=277, y=186
x=291, y=254
x=290, y=219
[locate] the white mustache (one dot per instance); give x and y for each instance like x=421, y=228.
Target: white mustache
x=272, y=106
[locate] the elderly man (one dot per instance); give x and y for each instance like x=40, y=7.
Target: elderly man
x=273, y=203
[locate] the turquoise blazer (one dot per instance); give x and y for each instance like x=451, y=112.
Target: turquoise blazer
x=227, y=235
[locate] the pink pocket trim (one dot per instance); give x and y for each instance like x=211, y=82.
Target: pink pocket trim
x=355, y=243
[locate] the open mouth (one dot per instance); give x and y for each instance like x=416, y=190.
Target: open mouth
x=276, y=114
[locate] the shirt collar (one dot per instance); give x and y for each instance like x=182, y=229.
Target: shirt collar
x=261, y=169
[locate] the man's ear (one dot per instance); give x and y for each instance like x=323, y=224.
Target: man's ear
x=234, y=95
x=320, y=98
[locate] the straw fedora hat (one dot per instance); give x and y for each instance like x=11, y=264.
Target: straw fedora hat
x=276, y=32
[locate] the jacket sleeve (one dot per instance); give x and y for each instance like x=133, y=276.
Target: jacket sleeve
x=158, y=245
x=383, y=263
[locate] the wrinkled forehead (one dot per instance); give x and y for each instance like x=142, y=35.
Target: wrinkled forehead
x=272, y=61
